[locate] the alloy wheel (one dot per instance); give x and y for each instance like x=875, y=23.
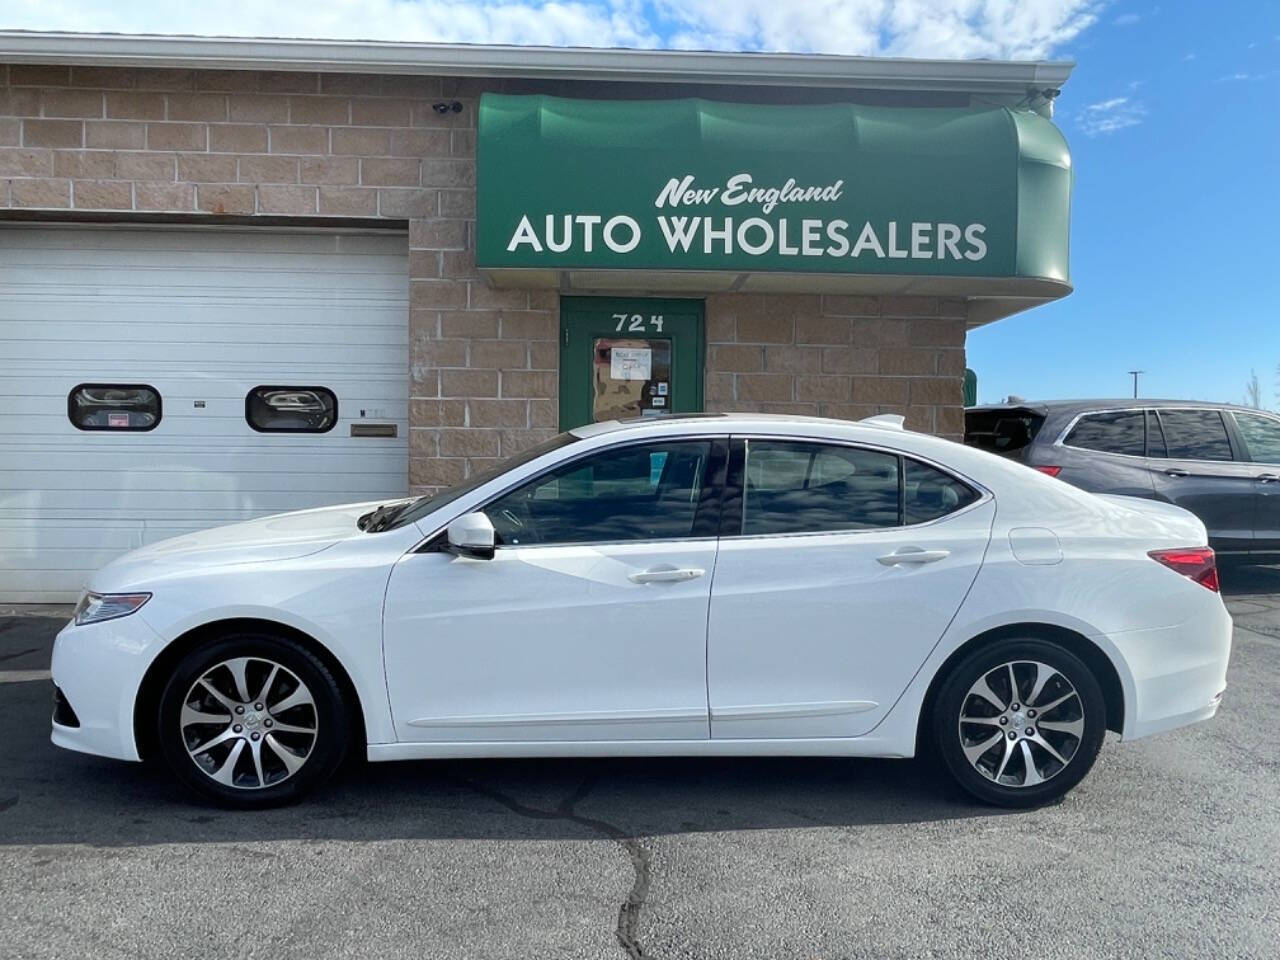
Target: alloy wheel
x=249, y=723
x=1021, y=723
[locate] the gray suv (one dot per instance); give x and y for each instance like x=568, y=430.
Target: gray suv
x=1220, y=462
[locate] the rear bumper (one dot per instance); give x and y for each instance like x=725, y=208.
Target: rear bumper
x=1178, y=673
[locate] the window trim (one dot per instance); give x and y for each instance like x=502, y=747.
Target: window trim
x=738, y=457
x=712, y=498
x=114, y=386
x=248, y=400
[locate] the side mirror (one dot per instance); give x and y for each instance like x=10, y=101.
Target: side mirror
x=471, y=535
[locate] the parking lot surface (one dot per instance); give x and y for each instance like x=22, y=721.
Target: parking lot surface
x=1168, y=849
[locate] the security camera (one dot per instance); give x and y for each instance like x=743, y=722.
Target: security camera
x=442, y=107
x=1051, y=93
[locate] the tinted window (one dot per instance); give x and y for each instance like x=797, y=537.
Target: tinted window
x=794, y=487
x=291, y=409
x=1120, y=431
x=929, y=493
x=1155, y=436
x=107, y=406
x=1001, y=431
x=639, y=492
x=1261, y=437
x=1195, y=434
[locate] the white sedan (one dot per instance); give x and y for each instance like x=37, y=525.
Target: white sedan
x=699, y=586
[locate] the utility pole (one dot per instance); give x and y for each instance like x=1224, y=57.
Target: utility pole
x=1135, y=374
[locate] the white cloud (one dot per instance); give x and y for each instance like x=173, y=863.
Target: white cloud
x=1109, y=116
x=1127, y=19
x=921, y=28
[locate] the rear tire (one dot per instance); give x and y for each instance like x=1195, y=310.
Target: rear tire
x=992, y=740
x=252, y=721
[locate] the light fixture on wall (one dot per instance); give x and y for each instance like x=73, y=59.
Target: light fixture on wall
x=451, y=106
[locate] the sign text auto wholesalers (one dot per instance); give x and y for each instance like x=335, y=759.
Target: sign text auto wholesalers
x=742, y=218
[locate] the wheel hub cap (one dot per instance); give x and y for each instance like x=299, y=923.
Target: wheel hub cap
x=249, y=723
x=1021, y=723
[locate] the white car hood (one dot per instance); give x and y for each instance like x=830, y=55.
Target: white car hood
x=284, y=536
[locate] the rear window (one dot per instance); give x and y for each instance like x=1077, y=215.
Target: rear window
x=1001, y=431
x=1195, y=435
x=1116, y=431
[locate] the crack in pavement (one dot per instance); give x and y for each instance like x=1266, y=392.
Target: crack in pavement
x=629, y=911
x=20, y=653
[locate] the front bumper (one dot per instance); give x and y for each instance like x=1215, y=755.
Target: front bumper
x=99, y=668
x=1179, y=673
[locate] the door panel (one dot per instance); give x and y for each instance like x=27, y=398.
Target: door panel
x=1260, y=435
x=551, y=643
x=1199, y=475
x=816, y=635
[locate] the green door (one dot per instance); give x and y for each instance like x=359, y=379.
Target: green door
x=622, y=358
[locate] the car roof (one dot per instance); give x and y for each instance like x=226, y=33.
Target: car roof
x=730, y=422
x=1127, y=403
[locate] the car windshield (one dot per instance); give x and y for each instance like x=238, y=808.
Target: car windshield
x=420, y=507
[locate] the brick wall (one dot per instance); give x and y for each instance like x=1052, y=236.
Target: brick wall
x=483, y=362
x=838, y=356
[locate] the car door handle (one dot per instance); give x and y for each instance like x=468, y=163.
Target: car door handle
x=666, y=576
x=1176, y=472
x=912, y=555
x=1267, y=477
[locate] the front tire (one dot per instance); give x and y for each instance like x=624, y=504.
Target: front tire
x=1019, y=723
x=252, y=721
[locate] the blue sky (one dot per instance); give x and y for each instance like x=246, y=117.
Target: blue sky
x=1172, y=117
x=1175, y=239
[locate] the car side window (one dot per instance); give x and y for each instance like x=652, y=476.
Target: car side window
x=646, y=491
x=800, y=487
x=928, y=493
x=1195, y=434
x=1261, y=437
x=1114, y=431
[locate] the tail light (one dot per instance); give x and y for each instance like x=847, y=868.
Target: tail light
x=1196, y=563
x=1051, y=471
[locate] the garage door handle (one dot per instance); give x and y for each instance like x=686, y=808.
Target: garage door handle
x=913, y=556
x=666, y=576
x=1176, y=472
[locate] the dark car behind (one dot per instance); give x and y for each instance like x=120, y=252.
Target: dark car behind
x=1221, y=462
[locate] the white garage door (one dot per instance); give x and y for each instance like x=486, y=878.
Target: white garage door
x=203, y=317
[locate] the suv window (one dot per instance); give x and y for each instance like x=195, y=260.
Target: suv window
x=795, y=487
x=1261, y=436
x=928, y=493
x=1115, y=431
x=1195, y=434
x=1003, y=430
x=645, y=491
x=1155, y=436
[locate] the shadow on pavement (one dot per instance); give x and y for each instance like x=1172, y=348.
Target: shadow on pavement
x=1240, y=581
x=51, y=796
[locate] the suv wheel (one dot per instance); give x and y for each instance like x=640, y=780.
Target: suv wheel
x=1019, y=723
x=252, y=721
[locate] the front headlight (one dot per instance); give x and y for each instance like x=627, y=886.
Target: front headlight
x=96, y=607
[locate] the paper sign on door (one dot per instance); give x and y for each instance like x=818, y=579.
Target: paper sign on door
x=630, y=363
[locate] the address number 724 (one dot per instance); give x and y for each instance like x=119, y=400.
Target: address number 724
x=635, y=323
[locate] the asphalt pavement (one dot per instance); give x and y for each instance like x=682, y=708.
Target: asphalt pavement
x=1168, y=849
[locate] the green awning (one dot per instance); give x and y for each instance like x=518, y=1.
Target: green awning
x=694, y=195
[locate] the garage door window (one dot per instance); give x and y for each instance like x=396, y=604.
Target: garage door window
x=114, y=406
x=291, y=409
